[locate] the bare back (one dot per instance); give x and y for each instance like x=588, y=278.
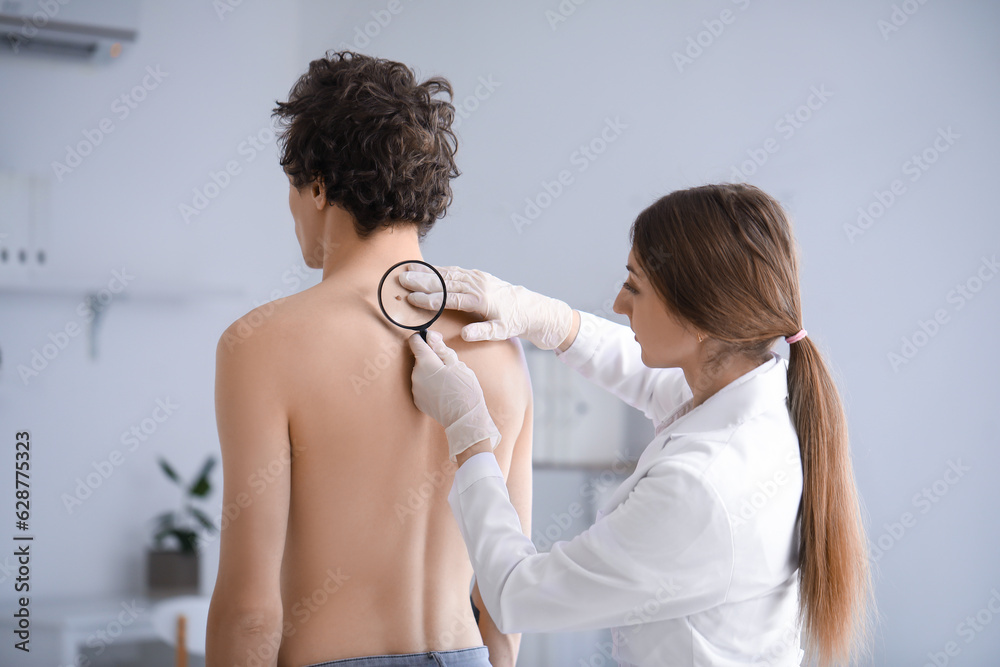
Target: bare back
x=374, y=562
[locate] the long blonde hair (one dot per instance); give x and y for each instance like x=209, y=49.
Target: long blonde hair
x=723, y=258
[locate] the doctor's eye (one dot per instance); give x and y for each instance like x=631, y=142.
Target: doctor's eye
x=629, y=288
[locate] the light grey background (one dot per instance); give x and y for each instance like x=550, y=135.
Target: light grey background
x=553, y=86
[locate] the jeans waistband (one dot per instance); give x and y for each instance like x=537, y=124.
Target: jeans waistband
x=477, y=656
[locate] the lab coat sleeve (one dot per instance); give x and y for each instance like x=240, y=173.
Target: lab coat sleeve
x=607, y=354
x=665, y=552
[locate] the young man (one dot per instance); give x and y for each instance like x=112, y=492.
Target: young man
x=345, y=545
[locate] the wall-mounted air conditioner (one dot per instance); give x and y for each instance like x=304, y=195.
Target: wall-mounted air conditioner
x=89, y=30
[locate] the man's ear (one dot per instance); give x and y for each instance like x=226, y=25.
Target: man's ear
x=318, y=193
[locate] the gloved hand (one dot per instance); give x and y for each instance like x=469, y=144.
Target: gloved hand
x=509, y=310
x=448, y=390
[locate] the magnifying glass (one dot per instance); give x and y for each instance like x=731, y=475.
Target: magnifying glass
x=400, y=311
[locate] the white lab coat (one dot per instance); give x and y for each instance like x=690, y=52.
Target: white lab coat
x=693, y=559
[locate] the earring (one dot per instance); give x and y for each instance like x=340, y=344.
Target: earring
x=699, y=338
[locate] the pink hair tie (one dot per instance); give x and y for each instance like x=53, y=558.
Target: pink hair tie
x=797, y=337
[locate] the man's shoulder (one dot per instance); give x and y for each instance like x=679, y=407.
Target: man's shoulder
x=501, y=368
x=505, y=355
x=268, y=325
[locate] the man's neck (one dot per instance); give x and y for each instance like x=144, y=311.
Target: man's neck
x=350, y=258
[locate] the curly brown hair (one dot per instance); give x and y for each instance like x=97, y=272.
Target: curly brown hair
x=379, y=142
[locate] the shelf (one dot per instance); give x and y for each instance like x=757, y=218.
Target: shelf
x=583, y=466
x=79, y=288
x=99, y=294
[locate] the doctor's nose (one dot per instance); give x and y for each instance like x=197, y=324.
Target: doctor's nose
x=619, y=305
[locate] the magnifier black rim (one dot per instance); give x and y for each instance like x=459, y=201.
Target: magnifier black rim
x=444, y=294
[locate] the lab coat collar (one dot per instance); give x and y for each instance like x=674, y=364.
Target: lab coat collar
x=745, y=397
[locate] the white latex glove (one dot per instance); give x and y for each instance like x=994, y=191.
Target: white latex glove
x=447, y=390
x=509, y=310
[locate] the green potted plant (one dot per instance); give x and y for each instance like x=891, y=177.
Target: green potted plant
x=173, y=569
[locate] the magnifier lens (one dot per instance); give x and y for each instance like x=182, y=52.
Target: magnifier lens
x=395, y=303
x=395, y=306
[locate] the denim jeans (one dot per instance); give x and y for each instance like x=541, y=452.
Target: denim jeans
x=477, y=656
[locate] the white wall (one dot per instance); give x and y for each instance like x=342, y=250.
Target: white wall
x=554, y=89
x=119, y=211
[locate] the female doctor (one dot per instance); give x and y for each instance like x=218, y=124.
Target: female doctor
x=704, y=555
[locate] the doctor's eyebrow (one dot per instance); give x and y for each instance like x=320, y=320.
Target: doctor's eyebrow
x=632, y=270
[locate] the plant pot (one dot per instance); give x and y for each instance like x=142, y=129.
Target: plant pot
x=171, y=572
